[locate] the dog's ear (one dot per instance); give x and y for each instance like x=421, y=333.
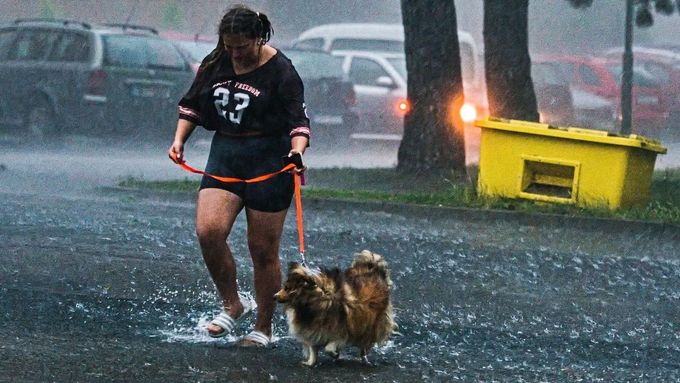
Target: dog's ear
x=293, y=265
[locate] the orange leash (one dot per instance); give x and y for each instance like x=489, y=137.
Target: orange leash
x=261, y=178
x=298, y=213
x=264, y=177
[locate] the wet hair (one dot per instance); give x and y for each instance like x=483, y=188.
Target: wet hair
x=240, y=20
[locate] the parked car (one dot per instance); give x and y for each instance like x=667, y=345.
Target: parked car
x=553, y=95
x=560, y=103
x=602, y=76
x=664, y=64
x=380, y=81
x=380, y=85
x=62, y=76
x=195, y=46
x=329, y=95
x=386, y=39
x=673, y=47
x=594, y=112
x=377, y=40
x=373, y=37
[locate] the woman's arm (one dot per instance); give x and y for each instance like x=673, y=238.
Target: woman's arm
x=184, y=130
x=298, y=144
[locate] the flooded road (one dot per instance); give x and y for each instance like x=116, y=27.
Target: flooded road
x=105, y=285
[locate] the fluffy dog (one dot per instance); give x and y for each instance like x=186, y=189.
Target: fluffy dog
x=331, y=309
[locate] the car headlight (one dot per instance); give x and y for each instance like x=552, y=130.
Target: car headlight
x=403, y=106
x=468, y=112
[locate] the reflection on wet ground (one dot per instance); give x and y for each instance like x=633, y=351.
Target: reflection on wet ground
x=111, y=287
x=101, y=285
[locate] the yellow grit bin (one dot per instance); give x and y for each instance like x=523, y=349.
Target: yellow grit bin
x=586, y=167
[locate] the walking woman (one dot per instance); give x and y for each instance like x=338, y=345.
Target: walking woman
x=251, y=96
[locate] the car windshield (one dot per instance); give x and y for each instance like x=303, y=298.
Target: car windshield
x=141, y=52
x=196, y=49
x=543, y=73
x=315, y=65
x=641, y=77
x=399, y=64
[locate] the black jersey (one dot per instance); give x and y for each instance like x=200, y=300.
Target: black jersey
x=267, y=100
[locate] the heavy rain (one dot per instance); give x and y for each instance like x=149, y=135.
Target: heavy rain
x=103, y=281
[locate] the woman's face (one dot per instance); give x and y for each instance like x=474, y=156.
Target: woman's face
x=242, y=49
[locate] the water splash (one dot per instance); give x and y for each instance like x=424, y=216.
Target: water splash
x=196, y=331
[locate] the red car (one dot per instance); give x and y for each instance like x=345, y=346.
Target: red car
x=602, y=76
x=665, y=65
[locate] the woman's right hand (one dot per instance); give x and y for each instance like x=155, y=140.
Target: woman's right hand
x=176, y=152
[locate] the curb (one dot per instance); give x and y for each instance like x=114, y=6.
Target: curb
x=605, y=225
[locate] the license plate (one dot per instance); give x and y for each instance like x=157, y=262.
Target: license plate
x=331, y=120
x=145, y=91
x=647, y=100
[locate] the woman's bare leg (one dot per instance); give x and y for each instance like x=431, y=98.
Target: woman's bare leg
x=264, y=238
x=216, y=211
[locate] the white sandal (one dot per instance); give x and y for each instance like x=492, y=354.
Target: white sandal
x=227, y=323
x=257, y=337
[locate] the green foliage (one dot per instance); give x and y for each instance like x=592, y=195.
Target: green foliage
x=184, y=185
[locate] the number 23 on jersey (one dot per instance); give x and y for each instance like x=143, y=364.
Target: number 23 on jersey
x=242, y=101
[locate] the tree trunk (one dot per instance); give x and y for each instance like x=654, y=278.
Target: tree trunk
x=510, y=90
x=433, y=132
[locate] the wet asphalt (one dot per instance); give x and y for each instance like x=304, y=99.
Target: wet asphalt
x=99, y=284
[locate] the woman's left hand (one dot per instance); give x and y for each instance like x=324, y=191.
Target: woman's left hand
x=297, y=169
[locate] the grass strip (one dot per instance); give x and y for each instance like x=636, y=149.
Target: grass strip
x=437, y=189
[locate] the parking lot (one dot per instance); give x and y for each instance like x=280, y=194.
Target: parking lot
x=108, y=285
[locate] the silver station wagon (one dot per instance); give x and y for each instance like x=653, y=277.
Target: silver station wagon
x=69, y=77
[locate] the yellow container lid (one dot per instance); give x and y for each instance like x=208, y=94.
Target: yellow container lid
x=572, y=133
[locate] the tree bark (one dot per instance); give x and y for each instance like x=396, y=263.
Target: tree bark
x=510, y=90
x=433, y=132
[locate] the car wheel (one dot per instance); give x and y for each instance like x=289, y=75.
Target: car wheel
x=41, y=121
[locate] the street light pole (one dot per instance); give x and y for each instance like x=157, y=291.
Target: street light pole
x=627, y=75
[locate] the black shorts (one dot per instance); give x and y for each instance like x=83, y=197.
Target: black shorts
x=250, y=157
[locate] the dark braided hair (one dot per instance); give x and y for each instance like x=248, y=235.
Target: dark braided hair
x=240, y=20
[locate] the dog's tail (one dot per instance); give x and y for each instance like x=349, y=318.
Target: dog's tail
x=374, y=261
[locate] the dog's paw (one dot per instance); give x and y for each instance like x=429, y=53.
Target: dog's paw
x=306, y=363
x=331, y=350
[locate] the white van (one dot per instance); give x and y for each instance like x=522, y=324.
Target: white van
x=387, y=38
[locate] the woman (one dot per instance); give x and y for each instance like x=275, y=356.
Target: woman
x=251, y=95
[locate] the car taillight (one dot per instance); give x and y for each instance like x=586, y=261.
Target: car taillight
x=96, y=83
x=468, y=112
x=403, y=106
